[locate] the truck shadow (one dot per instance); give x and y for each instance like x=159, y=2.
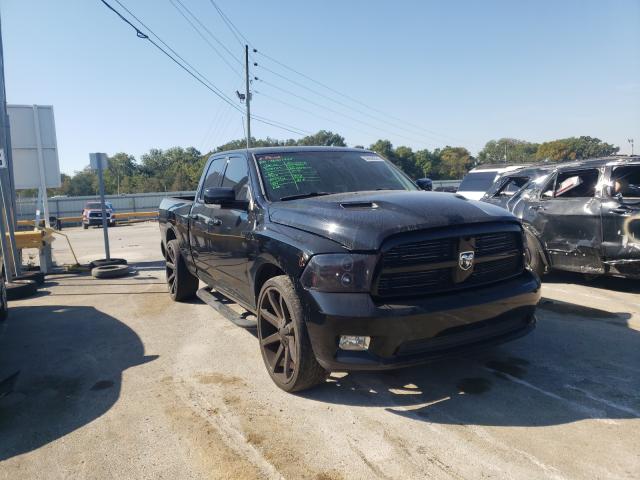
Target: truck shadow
x=601, y=282
x=70, y=361
x=578, y=364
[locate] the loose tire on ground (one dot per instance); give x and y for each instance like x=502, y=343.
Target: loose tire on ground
x=104, y=262
x=284, y=340
x=34, y=275
x=110, y=271
x=20, y=289
x=181, y=283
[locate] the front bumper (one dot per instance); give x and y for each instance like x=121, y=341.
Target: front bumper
x=97, y=221
x=414, y=331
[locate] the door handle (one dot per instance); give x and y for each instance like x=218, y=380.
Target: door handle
x=620, y=210
x=537, y=207
x=193, y=216
x=214, y=222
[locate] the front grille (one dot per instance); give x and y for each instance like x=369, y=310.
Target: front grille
x=419, y=268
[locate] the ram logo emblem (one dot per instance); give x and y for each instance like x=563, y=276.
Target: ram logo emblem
x=465, y=260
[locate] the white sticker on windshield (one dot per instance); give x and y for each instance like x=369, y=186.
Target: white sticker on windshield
x=372, y=158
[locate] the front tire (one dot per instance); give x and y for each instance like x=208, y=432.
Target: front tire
x=534, y=256
x=182, y=284
x=284, y=341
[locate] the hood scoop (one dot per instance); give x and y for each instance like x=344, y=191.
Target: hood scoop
x=359, y=205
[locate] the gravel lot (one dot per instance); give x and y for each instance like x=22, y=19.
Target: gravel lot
x=117, y=381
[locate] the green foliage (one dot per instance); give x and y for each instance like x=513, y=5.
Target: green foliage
x=180, y=168
x=517, y=151
x=574, y=148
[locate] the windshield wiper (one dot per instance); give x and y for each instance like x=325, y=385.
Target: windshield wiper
x=305, y=195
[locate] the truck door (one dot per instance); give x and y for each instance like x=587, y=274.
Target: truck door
x=201, y=228
x=621, y=217
x=231, y=255
x=567, y=219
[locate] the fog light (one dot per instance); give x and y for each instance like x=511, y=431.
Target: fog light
x=354, y=342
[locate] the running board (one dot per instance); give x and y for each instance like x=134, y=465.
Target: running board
x=214, y=300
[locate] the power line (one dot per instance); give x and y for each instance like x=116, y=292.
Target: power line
x=197, y=75
x=337, y=112
x=234, y=30
x=238, y=35
x=349, y=97
x=203, y=37
x=313, y=114
x=338, y=102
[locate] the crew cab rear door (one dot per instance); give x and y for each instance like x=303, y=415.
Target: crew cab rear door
x=621, y=214
x=567, y=219
x=201, y=221
x=230, y=251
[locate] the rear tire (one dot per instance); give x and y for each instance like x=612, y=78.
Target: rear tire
x=284, y=340
x=182, y=284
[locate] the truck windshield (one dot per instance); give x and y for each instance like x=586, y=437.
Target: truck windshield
x=299, y=174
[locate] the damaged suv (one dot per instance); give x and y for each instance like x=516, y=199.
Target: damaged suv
x=579, y=216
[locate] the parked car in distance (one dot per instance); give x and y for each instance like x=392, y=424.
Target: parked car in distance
x=425, y=184
x=346, y=264
x=476, y=183
x=581, y=216
x=92, y=214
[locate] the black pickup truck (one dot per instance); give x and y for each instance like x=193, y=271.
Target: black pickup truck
x=345, y=262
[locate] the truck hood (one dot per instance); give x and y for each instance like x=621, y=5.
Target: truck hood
x=362, y=220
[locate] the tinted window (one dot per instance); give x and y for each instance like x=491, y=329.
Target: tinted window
x=214, y=174
x=298, y=173
x=237, y=176
x=626, y=181
x=477, y=182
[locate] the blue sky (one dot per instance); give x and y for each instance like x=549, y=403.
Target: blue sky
x=458, y=72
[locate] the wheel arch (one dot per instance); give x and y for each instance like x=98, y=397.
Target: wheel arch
x=531, y=233
x=268, y=269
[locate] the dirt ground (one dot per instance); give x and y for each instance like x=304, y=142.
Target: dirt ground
x=117, y=381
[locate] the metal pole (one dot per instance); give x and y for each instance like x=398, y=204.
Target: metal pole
x=101, y=159
x=247, y=94
x=6, y=183
x=43, y=181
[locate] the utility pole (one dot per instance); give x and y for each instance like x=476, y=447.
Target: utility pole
x=630, y=140
x=505, y=152
x=247, y=94
x=101, y=160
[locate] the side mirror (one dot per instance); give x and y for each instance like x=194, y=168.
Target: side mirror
x=425, y=184
x=219, y=195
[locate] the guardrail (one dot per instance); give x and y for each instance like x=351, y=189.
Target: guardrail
x=119, y=217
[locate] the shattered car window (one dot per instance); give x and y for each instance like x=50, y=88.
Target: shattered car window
x=576, y=184
x=511, y=186
x=626, y=181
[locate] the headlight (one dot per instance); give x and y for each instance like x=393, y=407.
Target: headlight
x=337, y=272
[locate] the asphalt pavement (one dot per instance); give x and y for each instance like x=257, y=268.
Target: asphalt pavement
x=117, y=381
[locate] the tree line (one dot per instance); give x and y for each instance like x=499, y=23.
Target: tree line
x=179, y=169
